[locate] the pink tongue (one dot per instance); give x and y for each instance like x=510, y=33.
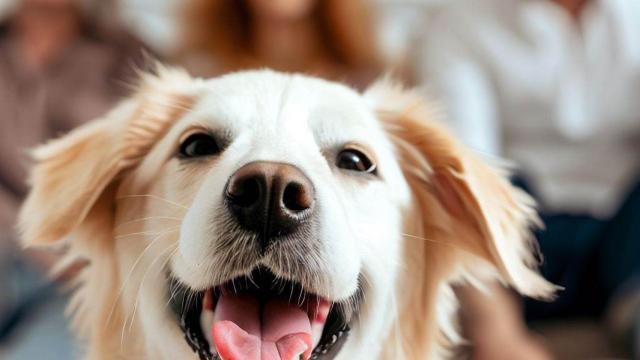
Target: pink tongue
x=241, y=332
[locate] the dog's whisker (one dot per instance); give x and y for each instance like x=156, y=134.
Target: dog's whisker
x=172, y=295
x=173, y=292
x=132, y=316
x=151, y=196
x=183, y=306
x=191, y=294
x=130, y=273
x=147, y=233
x=147, y=218
x=172, y=247
x=454, y=246
x=424, y=238
x=433, y=241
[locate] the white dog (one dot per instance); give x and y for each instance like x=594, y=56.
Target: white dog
x=262, y=215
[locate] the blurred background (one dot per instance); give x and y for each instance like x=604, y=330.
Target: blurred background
x=551, y=85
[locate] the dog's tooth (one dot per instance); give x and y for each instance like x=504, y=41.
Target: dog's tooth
x=206, y=322
x=316, y=333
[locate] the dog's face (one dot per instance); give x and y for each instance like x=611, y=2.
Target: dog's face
x=294, y=197
x=263, y=215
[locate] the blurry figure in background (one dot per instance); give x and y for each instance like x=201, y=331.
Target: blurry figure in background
x=58, y=68
x=328, y=38
x=553, y=85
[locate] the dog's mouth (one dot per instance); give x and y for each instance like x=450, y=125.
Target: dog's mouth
x=262, y=317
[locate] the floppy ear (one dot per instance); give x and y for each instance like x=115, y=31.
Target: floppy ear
x=461, y=200
x=72, y=173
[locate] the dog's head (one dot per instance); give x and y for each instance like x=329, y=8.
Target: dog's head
x=278, y=214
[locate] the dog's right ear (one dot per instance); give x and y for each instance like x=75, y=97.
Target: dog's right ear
x=72, y=173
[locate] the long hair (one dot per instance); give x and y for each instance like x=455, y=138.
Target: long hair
x=221, y=29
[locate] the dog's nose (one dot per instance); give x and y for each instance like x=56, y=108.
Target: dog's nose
x=270, y=198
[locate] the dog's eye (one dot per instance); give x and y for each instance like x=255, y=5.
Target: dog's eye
x=198, y=145
x=352, y=159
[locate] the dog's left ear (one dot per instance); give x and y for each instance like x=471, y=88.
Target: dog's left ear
x=462, y=201
x=71, y=174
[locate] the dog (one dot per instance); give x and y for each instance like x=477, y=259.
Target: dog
x=261, y=215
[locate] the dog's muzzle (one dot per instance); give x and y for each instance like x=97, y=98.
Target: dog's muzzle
x=266, y=229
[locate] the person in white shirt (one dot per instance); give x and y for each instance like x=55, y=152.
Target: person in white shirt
x=554, y=86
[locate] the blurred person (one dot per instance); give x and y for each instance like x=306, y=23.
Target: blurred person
x=553, y=85
x=58, y=69
x=334, y=39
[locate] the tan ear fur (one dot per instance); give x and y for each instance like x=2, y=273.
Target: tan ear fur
x=476, y=197
x=466, y=220
x=72, y=172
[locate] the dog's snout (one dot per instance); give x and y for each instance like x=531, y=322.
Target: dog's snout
x=270, y=198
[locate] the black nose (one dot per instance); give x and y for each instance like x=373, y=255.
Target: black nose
x=272, y=199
